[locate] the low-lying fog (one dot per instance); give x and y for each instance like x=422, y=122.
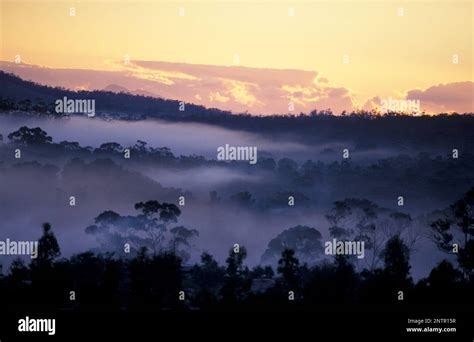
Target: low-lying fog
x=28, y=199
x=182, y=138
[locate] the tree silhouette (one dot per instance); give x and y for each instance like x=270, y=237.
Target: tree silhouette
x=466, y=258
x=243, y=198
x=17, y=283
x=208, y=278
x=180, y=241
x=458, y=228
x=444, y=282
x=303, y=240
x=43, y=275
x=155, y=279
x=30, y=136
x=18, y=272
x=167, y=212
x=288, y=268
x=396, y=256
x=363, y=220
x=48, y=247
x=236, y=283
x=147, y=229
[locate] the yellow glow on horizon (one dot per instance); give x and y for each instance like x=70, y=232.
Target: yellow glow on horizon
x=388, y=54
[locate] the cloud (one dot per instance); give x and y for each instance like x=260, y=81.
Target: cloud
x=449, y=97
x=235, y=88
x=442, y=98
x=373, y=103
x=217, y=97
x=256, y=90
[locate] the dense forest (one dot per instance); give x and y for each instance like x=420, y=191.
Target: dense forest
x=131, y=243
x=158, y=280
x=363, y=129
x=143, y=260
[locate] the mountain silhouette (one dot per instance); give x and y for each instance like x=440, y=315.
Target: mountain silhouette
x=114, y=100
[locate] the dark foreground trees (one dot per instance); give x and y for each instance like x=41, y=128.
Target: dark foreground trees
x=454, y=233
x=159, y=281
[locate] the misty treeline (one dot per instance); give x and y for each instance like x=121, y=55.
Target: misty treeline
x=364, y=130
x=425, y=177
x=26, y=96
x=157, y=280
x=143, y=258
x=143, y=254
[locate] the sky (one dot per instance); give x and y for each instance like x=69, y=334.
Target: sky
x=250, y=56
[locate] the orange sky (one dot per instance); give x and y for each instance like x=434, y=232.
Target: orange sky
x=388, y=54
